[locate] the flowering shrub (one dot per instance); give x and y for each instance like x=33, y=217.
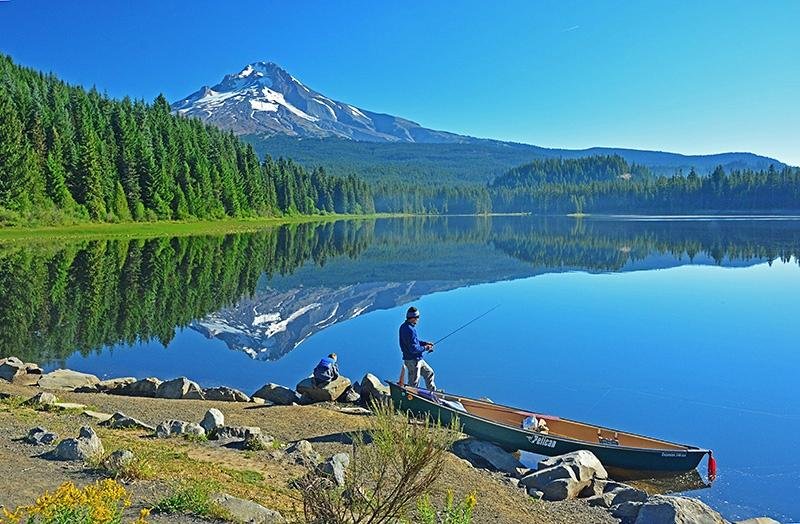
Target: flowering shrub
x=452, y=513
x=99, y=503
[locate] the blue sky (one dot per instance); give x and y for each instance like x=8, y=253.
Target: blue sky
x=684, y=76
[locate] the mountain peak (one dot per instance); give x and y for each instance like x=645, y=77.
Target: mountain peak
x=263, y=98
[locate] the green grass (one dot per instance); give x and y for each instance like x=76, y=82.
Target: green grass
x=164, y=228
x=192, y=498
x=245, y=476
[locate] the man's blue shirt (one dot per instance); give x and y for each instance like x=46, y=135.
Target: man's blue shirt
x=410, y=345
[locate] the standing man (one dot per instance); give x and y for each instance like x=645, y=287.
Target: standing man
x=413, y=350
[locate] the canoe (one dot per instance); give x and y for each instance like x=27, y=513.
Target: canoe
x=624, y=454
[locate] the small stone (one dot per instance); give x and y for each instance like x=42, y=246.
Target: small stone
x=118, y=460
x=303, y=453
x=120, y=420
x=86, y=447
x=349, y=395
x=535, y=493
x=44, y=398
x=627, y=494
x=335, y=467
x=258, y=442
x=627, y=511
x=212, y=420
x=169, y=428
x=39, y=436
x=247, y=511
x=234, y=432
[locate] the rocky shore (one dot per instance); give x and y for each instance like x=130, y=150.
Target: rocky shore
x=71, y=426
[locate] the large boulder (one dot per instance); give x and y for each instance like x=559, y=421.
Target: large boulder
x=242, y=510
x=118, y=461
x=583, y=462
x=758, y=520
x=108, y=386
x=373, y=390
x=67, y=380
x=145, y=387
x=225, y=394
x=86, y=447
x=180, y=388
x=555, y=483
x=169, y=428
x=486, y=454
x=18, y=372
x=277, y=394
x=663, y=509
x=120, y=420
x=327, y=393
x=212, y=420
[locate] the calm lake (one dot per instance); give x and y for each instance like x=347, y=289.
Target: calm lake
x=683, y=329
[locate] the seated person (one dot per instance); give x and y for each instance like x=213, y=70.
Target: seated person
x=532, y=423
x=326, y=371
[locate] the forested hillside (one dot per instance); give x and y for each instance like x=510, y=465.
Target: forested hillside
x=607, y=184
x=67, y=154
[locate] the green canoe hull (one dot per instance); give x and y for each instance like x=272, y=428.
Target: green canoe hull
x=627, y=459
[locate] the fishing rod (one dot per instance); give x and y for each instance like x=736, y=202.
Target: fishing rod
x=467, y=324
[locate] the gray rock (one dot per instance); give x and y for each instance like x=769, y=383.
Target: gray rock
x=563, y=489
x=335, y=467
x=169, y=428
x=44, y=398
x=327, y=393
x=758, y=520
x=247, y=511
x=627, y=511
x=349, y=395
x=662, y=509
x=627, y=494
x=120, y=420
x=118, y=460
x=108, y=386
x=486, y=454
x=373, y=390
x=212, y=420
x=39, y=436
x=277, y=394
x=535, y=493
x=585, y=464
x=596, y=487
x=603, y=500
x=541, y=478
x=86, y=447
x=225, y=394
x=145, y=387
x=180, y=388
x=303, y=453
x=234, y=432
x=67, y=380
x=258, y=442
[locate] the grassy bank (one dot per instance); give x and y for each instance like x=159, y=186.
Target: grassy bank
x=165, y=228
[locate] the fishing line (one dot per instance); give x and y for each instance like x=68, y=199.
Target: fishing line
x=467, y=324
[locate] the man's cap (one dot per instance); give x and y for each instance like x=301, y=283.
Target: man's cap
x=412, y=312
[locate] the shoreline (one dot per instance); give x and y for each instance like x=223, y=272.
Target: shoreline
x=288, y=421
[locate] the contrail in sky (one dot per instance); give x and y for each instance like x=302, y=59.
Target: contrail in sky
x=573, y=28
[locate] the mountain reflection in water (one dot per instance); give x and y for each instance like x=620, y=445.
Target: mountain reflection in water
x=264, y=293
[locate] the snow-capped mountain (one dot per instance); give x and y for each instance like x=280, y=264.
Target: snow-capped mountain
x=264, y=99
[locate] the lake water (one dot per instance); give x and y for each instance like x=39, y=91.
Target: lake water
x=681, y=329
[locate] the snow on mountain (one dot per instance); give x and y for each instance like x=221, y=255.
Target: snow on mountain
x=264, y=99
